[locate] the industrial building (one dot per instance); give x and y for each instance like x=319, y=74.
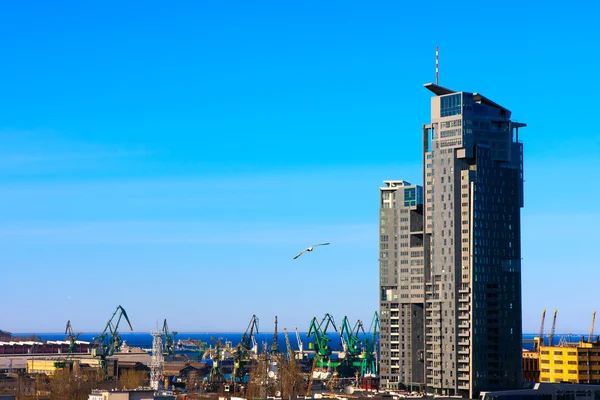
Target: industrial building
x=136, y=394
x=470, y=246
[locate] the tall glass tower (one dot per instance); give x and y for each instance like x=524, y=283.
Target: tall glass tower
x=471, y=256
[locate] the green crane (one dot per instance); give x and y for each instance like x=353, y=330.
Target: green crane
x=72, y=337
x=109, y=341
x=168, y=340
x=248, y=339
x=370, y=360
x=349, y=337
x=321, y=341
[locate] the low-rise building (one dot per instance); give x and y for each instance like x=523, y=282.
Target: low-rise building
x=573, y=362
x=135, y=394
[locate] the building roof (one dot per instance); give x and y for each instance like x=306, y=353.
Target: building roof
x=477, y=97
x=437, y=89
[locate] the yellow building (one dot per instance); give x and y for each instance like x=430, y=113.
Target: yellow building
x=49, y=365
x=570, y=362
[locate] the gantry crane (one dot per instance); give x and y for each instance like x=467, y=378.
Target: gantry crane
x=321, y=341
x=591, y=335
x=109, y=341
x=248, y=339
x=551, y=337
x=300, y=344
x=540, y=341
x=349, y=337
x=168, y=340
x=370, y=362
x=290, y=353
x=72, y=337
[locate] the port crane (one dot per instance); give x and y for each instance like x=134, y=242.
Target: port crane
x=321, y=341
x=248, y=339
x=551, y=337
x=168, y=340
x=349, y=337
x=109, y=341
x=370, y=359
x=72, y=337
x=300, y=344
x=540, y=342
x=591, y=335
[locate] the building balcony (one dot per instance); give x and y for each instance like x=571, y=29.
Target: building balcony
x=463, y=368
x=463, y=333
x=463, y=342
x=463, y=307
x=464, y=298
x=463, y=315
x=464, y=360
x=463, y=386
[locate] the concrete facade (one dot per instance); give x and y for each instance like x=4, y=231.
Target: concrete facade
x=402, y=283
x=470, y=245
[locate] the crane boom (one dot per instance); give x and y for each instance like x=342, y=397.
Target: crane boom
x=592, y=327
x=551, y=337
x=541, y=335
x=300, y=344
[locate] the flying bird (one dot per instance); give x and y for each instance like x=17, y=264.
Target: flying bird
x=310, y=249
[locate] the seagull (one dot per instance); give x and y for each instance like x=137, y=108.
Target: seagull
x=310, y=249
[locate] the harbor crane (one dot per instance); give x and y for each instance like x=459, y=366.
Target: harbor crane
x=591, y=335
x=169, y=340
x=551, y=337
x=321, y=341
x=540, y=342
x=349, y=337
x=370, y=361
x=72, y=337
x=300, y=344
x=109, y=341
x=248, y=339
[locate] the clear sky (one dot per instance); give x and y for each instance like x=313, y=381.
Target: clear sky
x=173, y=157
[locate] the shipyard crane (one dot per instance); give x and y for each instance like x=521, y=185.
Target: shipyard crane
x=551, y=337
x=169, y=340
x=72, y=337
x=275, y=345
x=541, y=335
x=248, y=339
x=109, y=341
x=592, y=327
x=290, y=352
x=300, y=344
x=319, y=331
x=370, y=359
x=349, y=337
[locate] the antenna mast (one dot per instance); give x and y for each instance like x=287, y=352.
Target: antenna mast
x=437, y=65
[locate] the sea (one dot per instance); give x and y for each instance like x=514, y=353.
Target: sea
x=264, y=340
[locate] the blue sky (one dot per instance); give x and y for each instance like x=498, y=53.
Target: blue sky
x=172, y=158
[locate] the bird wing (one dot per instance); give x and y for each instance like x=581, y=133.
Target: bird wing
x=321, y=244
x=299, y=254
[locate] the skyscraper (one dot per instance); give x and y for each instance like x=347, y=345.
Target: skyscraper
x=402, y=280
x=471, y=246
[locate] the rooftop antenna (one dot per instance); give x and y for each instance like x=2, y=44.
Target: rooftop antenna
x=437, y=65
